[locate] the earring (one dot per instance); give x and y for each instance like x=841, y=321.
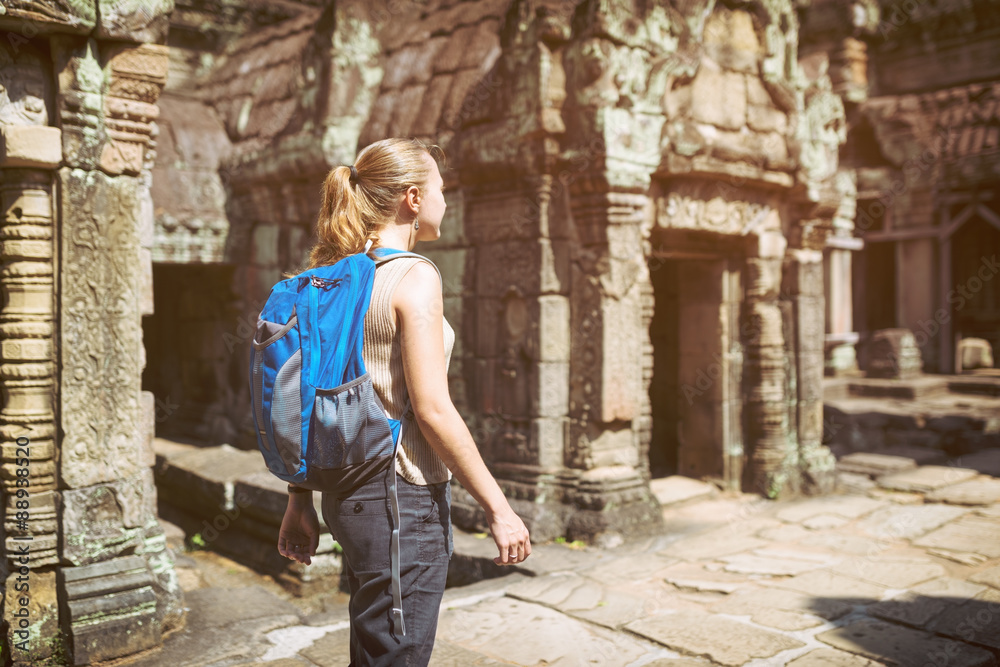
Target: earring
x=416, y=224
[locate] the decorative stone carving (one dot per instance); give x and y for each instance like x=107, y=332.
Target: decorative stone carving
x=134, y=20
x=80, y=101
x=101, y=336
x=61, y=15
x=138, y=74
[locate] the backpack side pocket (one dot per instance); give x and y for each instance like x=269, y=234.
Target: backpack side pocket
x=349, y=428
x=277, y=399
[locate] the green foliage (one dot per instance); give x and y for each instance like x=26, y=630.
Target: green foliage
x=198, y=542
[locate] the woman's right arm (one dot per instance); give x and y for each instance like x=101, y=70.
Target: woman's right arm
x=419, y=310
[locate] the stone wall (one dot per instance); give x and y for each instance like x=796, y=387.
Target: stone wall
x=585, y=143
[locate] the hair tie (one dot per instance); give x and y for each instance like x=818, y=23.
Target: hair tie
x=354, y=174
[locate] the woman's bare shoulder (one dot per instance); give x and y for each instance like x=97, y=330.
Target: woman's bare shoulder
x=420, y=284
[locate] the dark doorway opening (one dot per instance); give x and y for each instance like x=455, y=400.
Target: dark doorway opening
x=664, y=333
x=195, y=350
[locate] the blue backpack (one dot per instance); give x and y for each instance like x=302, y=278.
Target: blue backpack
x=320, y=425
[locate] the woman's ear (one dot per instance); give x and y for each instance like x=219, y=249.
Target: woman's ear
x=413, y=198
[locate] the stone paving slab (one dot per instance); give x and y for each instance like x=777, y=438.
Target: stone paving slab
x=828, y=584
x=981, y=491
x=626, y=569
x=779, y=619
x=678, y=489
x=848, y=507
x=917, y=607
x=993, y=511
x=695, y=576
x=926, y=478
x=594, y=602
x=530, y=634
x=749, y=602
x=990, y=577
x=331, y=650
x=847, y=543
x=713, y=545
x=974, y=534
x=874, y=465
x=721, y=639
x=976, y=621
x=897, y=497
x=850, y=482
x=778, y=562
x=906, y=522
x=825, y=522
x=828, y=657
x=788, y=533
x=903, y=646
x=891, y=573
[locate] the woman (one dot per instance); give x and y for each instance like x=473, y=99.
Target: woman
x=392, y=196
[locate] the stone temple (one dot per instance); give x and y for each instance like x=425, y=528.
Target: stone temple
x=668, y=222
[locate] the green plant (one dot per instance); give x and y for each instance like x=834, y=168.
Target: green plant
x=198, y=542
x=337, y=549
x=58, y=654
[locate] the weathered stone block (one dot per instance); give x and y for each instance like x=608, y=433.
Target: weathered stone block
x=30, y=146
x=719, y=98
x=549, y=436
x=553, y=321
x=112, y=609
x=893, y=353
x=39, y=601
x=974, y=353
x=550, y=389
x=103, y=521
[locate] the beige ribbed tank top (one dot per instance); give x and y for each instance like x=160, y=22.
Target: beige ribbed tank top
x=417, y=462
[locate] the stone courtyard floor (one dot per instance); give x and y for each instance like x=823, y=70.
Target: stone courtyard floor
x=902, y=570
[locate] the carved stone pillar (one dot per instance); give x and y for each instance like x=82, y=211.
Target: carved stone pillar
x=109, y=525
x=773, y=457
x=606, y=406
x=803, y=288
x=29, y=152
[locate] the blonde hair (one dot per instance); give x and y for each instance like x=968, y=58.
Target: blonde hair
x=353, y=213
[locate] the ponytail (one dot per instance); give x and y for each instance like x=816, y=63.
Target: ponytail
x=354, y=210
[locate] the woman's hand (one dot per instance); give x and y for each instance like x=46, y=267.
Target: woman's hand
x=299, y=533
x=511, y=537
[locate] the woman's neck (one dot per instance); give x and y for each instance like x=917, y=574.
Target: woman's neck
x=397, y=236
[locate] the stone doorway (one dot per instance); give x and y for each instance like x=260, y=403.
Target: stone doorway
x=696, y=385
x=195, y=342
x=975, y=295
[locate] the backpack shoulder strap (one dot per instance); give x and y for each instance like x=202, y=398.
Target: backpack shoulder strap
x=381, y=259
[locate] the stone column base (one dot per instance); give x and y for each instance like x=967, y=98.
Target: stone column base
x=595, y=506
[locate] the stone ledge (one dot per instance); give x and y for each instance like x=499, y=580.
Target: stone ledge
x=32, y=146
